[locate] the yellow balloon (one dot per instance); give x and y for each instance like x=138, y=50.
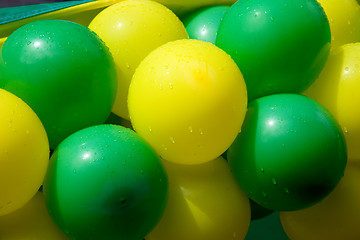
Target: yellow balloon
x=337, y=88
x=344, y=20
x=205, y=203
x=132, y=29
x=188, y=100
x=336, y=217
x=24, y=153
x=31, y=222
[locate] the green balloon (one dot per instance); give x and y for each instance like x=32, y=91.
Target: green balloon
x=280, y=46
x=204, y=23
x=63, y=71
x=105, y=182
x=290, y=154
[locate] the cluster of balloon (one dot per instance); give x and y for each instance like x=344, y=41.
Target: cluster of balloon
x=261, y=53
x=336, y=89
x=233, y=87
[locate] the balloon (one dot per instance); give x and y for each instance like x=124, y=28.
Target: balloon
x=67, y=75
x=336, y=217
x=132, y=29
x=279, y=46
x=24, y=153
x=31, y=222
x=205, y=203
x=344, y=19
x=337, y=89
x=290, y=153
x=105, y=182
x=204, y=23
x=188, y=100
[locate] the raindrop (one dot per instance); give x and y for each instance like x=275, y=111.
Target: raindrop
x=264, y=194
x=201, y=131
x=172, y=140
x=171, y=85
x=347, y=69
x=190, y=129
x=262, y=170
x=286, y=190
x=274, y=181
x=74, y=171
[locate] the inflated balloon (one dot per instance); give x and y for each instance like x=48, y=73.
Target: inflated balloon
x=63, y=71
x=337, y=88
x=132, y=29
x=290, y=153
x=24, y=153
x=105, y=182
x=336, y=217
x=31, y=222
x=188, y=100
x=280, y=46
x=205, y=203
x=344, y=19
x=204, y=23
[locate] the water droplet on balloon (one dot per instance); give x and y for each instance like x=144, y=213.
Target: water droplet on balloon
x=172, y=140
x=262, y=170
x=264, y=194
x=274, y=181
x=190, y=129
x=74, y=171
x=347, y=69
x=286, y=190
